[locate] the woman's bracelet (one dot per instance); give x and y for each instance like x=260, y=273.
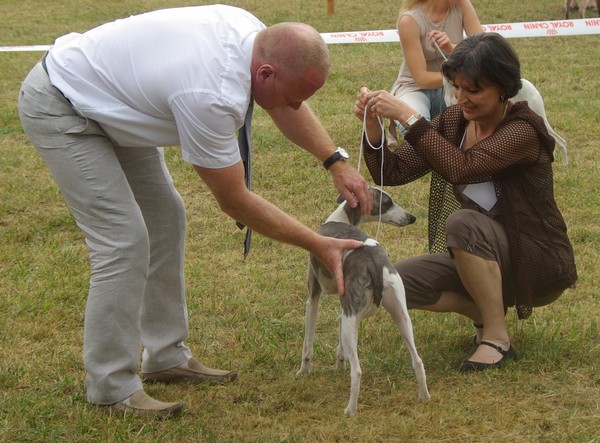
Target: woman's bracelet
x=403, y=128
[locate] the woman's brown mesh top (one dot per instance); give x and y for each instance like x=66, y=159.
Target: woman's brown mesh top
x=518, y=158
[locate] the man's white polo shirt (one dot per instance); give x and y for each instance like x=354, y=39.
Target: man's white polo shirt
x=170, y=77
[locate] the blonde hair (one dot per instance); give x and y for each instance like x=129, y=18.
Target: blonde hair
x=293, y=48
x=408, y=4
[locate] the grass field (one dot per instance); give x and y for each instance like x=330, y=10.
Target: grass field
x=249, y=314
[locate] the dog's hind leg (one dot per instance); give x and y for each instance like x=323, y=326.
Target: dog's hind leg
x=367, y=311
x=394, y=301
x=349, y=343
x=340, y=354
x=310, y=324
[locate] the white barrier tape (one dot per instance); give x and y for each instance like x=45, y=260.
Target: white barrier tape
x=24, y=48
x=581, y=26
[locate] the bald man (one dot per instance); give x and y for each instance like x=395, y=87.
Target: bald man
x=98, y=107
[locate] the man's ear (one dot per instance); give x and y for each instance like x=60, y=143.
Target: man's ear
x=265, y=72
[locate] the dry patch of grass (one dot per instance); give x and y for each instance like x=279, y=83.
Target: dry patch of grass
x=249, y=314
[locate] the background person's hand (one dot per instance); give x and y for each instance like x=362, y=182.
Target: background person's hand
x=442, y=40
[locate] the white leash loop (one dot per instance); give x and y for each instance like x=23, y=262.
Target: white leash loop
x=380, y=147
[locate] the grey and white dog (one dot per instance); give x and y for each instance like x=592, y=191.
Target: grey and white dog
x=370, y=280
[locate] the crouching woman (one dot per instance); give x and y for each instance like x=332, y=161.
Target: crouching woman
x=496, y=235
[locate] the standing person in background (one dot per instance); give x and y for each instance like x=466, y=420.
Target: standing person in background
x=423, y=24
x=96, y=108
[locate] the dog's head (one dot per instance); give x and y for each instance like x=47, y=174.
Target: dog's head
x=384, y=209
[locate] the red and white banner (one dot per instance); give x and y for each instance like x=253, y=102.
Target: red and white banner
x=582, y=26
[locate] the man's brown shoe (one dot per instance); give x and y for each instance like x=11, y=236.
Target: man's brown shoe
x=141, y=403
x=193, y=372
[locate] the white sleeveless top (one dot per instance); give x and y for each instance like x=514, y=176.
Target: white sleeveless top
x=452, y=25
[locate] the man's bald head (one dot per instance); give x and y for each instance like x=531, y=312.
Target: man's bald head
x=292, y=48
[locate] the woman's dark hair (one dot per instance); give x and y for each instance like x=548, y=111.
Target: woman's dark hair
x=483, y=59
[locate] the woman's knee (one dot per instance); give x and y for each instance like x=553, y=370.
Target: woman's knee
x=419, y=101
x=426, y=277
x=460, y=221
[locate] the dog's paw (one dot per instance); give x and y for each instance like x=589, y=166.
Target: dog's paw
x=304, y=369
x=424, y=397
x=350, y=411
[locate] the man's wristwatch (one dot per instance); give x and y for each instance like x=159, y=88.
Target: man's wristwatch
x=339, y=154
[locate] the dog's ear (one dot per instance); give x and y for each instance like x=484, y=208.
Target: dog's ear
x=340, y=199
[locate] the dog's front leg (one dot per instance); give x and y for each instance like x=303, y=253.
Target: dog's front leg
x=310, y=324
x=349, y=343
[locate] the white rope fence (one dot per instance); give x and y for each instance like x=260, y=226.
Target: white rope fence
x=553, y=28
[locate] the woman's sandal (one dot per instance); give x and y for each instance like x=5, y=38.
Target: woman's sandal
x=475, y=366
x=474, y=343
